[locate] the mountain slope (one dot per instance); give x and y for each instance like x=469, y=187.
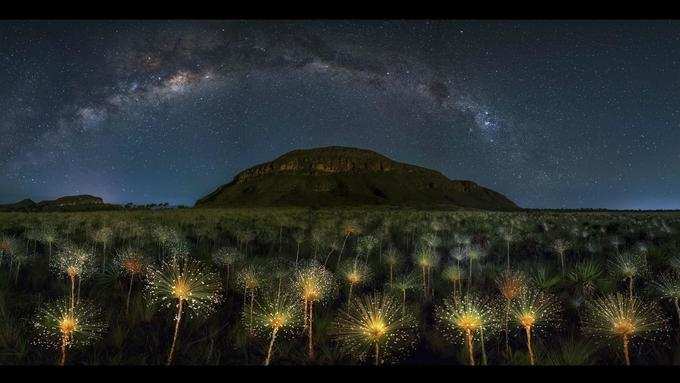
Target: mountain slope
x=341, y=176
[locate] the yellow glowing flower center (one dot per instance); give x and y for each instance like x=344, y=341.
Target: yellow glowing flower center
x=353, y=277
x=133, y=266
x=278, y=320
x=72, y=271
x=67, y=325
x=624, y=327
x=310, y=292
x=250, y=282
x=527, y=319
x=510, y=289
x=349, y=230
x=376, y=329
x=181, y=290
x=469, y=322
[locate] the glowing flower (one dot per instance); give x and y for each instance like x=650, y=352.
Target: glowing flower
x=376, y=325
x=134, y=263
x=468, y=317
x=532, y=310
x=183, y=282
x=63, y=327
x=314, y=284
x=620, y=317
x=276, y=314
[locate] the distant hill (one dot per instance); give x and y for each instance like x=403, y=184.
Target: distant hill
x=23, y=205
x=67, y=203
x=342, y=176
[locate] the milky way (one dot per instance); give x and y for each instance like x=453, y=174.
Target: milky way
x=551, y=114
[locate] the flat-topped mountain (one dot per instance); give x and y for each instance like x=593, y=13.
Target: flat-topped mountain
x=72, y=200
x=72, y=203
x=342, y=176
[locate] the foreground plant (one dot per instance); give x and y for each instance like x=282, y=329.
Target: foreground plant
x=75, y=263
x=426, y=259
x=510, y=284
x=468, y=317
x=226, y=257
x=454, y=275
x=508, y=235
x=314, y=284
x=350, y=228
x=402, y=284
x=250, y=279
x=532, y=310
x=12, y=254
x=103, y=236
x=668, y=286
x=561, y=246
x=184, y=283
x=276, y=314
x=375, y=324
x=355, y=274
x=616, y=316
x=133, y=263
x=585, y=275
x=628, y=265
x=392, y=258
x=63, y=327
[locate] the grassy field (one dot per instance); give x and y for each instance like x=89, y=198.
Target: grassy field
x=352, y=286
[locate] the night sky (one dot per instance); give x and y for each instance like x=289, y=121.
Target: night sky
x=551, y=114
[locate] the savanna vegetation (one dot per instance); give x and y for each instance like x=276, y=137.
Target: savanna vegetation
x=340, y=286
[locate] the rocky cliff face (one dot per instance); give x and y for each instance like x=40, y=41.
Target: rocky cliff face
x=74, y=200
x=322, y=161
x=340, y=176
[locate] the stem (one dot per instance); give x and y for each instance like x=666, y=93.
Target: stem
x=481, y=339
x=377, y=353
x=677, y=308
x=174, y=337
x=271, y=346
x=278, y=291
x=228, y=275
x=327, y=257
x=471, y=355
x=470, y=276
x=306, y=304
x=625, y=350
x=127, y=303
x=349, y=296
x=341, y=249
x=252, y=299
x=297, y=252
x=527, y=329
x=64, y=343
x=507, y=313
x=390, y=273
x=630, y=288
x=104, y=257
x=78, y=295
x=73, y=298
x=311, y=320
x=508, y=256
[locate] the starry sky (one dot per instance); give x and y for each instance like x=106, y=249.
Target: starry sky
x=550, y=113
